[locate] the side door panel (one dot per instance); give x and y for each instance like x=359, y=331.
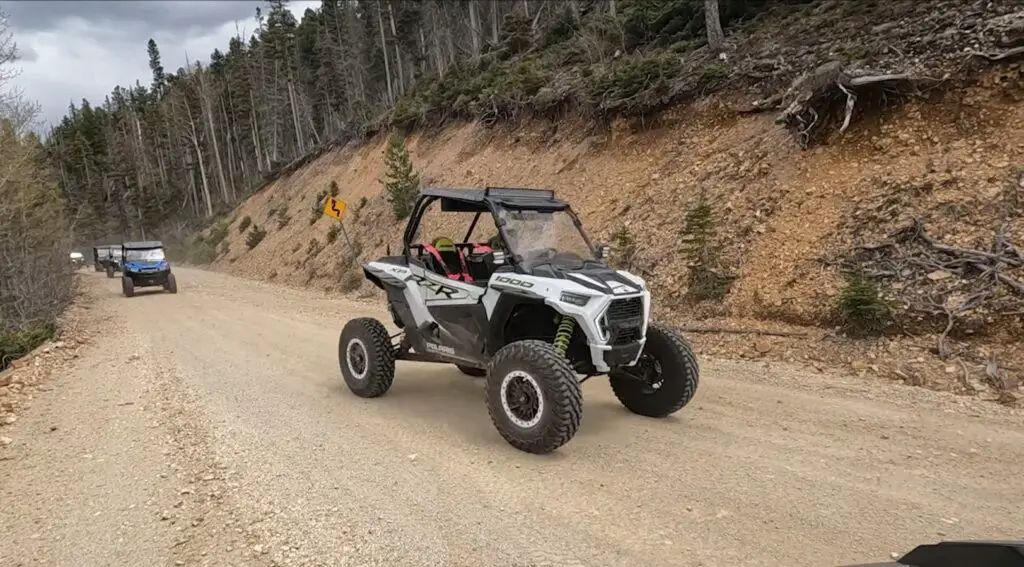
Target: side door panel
x=455, y=307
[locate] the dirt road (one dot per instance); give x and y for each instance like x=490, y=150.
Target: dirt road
x=212, y=428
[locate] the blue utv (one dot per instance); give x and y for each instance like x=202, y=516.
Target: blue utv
x=144, y=265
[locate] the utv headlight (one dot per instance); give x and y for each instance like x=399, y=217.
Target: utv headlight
x=574, y=298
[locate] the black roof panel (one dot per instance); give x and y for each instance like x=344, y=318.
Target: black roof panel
x=143, y=245
x=512, y=197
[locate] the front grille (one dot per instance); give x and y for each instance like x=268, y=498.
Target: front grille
x=625, y=319
x=624, y=309
x=625, y=335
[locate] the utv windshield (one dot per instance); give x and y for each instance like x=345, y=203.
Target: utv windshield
x=545, y=237
x=114, y=253
x=148, y=255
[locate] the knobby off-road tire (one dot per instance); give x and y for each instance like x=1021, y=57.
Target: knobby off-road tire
x=127, y=286
x=535, y=364
x=470, y=371
x=366, y=357
x=110, y=271
x=171, y=284
x=680, y=375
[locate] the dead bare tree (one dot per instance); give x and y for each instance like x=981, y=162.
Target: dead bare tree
x=713, y=23
x=35, y=237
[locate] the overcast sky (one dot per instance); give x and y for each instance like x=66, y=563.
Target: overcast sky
x=72, y=50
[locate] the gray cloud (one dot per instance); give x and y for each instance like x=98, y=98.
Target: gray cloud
x=165, y=15
x=27, y=54
x=75, y=50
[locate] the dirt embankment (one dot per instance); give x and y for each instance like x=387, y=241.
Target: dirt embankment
x=784, y=215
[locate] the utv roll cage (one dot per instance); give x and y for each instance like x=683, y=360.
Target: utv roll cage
x=488, y=200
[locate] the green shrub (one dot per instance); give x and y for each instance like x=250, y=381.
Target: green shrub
x=351, y=280
x=255, y=236
x=332, y=233
x=334, y=189
x=407, y=112
x=218, y=232
x=246, y=221
x=314, y=248
x=631, y=76
x=317, y=210
x=624, y=250
x=16, y=344
x=861, y=308
x=282, y=219
x=201, y=253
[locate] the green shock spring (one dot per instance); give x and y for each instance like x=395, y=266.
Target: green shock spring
x=564, y=334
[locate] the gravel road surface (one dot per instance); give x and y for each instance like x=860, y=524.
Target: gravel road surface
x=212, y=427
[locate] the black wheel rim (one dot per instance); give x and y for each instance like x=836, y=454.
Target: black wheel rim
x=648, y=372
x=522, y=399
x=356, y=356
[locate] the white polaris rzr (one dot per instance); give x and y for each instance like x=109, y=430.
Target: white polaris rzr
x=531, y=310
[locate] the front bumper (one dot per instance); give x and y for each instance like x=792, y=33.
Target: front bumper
x=623, y=355
x=148, y=278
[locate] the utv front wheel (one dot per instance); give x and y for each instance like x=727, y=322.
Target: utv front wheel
x=366, y=357
x=471, y=371
x=663, y=380
x=171, y=284
x=127, y=286
x=110, y=271
x=533, y=396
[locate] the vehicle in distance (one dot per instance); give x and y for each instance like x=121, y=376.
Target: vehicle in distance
x=146, y=265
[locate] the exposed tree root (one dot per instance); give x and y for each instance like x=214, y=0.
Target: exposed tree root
x=947, y=281
x=814, y=100
x=817, y=99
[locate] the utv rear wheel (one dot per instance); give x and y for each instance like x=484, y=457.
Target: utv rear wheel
x=127, y=286
x=533, y=396
x=171, y=284
x=663, y=380
x=471, y=371
x=366, y=357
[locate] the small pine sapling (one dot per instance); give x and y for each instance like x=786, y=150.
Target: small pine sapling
x=401, y=180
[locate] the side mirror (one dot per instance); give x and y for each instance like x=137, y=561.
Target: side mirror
x=604, y=251
x=499, y=257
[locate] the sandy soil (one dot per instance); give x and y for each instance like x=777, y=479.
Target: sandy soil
x=212, y=427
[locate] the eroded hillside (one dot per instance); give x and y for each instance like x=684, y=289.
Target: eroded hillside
x=788, y=219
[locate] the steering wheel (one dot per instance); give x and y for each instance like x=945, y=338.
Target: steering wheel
x=552, y=255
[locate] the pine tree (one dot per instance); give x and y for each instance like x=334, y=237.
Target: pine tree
x=705, y=279
x=862, y=309
x=159, y=78
x=402, y=182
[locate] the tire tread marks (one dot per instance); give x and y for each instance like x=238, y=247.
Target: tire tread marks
x=380, y=357
x=563, y=397
x=682, y=375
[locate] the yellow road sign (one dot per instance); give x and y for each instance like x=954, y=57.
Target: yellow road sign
x=334, y=208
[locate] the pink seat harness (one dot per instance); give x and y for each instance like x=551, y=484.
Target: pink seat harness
x=464, y=275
